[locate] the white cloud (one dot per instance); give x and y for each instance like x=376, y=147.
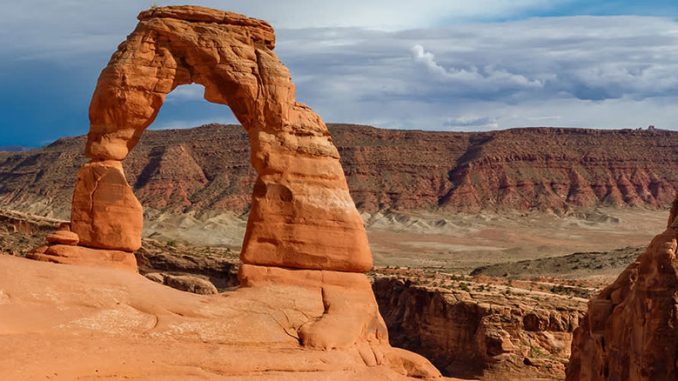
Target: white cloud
x=472, y=122
x=404, y=64
x=601, y=72
x=193, y=92
x=473, y=76
x=63, y=28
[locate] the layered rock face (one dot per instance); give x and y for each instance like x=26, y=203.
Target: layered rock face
x=490, y=335
x=631, y=329
x=305, y=249
x=207, y=169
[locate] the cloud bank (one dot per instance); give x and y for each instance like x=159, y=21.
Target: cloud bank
x=604, y=72
x=478, y=65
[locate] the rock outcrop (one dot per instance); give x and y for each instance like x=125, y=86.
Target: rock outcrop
x=207, y=169
x=66, y=323
x=305, y=249
x=302, y=215
x=631, y=329
x=480, y=331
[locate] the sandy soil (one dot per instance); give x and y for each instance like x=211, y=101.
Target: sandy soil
x=460, y=243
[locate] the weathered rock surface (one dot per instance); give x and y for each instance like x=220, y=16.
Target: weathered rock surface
x=80, y=255
x=305, y=249
x=186, y=283
x=63, y=237
x=302, y=215
x=78, y=322
x=487, y=332
x=207, y=169
x=105, y=213
x=631, y=329
x=218, y=265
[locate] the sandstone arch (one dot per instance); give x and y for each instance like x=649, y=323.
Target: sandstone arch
x=305, y=247
x=302, y=214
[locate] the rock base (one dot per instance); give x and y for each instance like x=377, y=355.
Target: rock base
x=79, y=255
x=78, y=322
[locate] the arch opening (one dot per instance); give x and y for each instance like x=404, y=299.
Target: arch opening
x=186, y=107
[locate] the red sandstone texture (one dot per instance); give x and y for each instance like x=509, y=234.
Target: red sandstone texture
x=630, y=331
x=301, y=216
x=304, y=234
x=208, y=169
x=69, y=323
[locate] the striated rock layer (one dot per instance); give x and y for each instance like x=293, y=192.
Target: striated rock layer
x=631, y=329
x=207, y=169
x=485, y=333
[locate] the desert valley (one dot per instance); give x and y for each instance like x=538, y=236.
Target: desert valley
x=283, y=248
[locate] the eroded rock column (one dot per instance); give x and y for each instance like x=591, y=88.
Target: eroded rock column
x=106, y=221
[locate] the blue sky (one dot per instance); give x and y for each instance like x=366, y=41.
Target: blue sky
x=432, y=65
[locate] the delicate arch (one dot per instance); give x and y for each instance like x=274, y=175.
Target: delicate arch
x=302, y=214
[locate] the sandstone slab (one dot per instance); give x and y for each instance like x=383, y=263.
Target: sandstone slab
x=63, y=237
x=124, y=326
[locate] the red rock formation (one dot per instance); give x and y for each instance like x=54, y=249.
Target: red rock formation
x=207, y=169
x=631, y=329
x=302, y=214
x=491, y=335
x=304, y=234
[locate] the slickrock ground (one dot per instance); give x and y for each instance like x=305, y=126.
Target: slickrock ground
x=413, y=301
x=496, y=324
x=207, y=168
x=64, y=322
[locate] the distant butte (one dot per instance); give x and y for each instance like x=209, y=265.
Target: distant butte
x=208, y=169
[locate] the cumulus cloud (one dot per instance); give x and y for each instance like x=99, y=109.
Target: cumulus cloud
x=473, y=77
x=193, y=92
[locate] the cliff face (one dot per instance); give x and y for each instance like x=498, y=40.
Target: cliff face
x=555, y=168
x=481, y=333
x=630, y=331
x=208, y=169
